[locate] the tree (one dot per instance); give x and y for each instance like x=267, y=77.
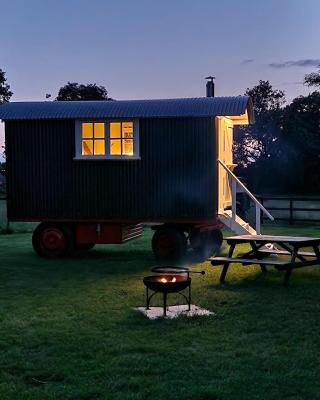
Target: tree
x=301, y=139
x=5, y=92
x=74, y=91
x=256, y=141
x=312, y=79
x=265, y=98
x=257, y=145
x=5, y=95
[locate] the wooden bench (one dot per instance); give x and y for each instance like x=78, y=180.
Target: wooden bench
x=290, y=247
x=245, y=261
x=285, y=252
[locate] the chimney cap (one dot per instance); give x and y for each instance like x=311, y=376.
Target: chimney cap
x=210, y=77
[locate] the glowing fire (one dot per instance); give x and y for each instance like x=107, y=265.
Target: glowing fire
x=165, y=280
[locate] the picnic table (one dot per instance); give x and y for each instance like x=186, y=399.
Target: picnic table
x=284, y=253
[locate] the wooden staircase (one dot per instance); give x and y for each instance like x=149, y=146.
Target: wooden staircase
x=237, y=224
x=230, y=218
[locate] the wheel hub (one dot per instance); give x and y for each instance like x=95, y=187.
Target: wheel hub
x=166, y=245
x=53, y=239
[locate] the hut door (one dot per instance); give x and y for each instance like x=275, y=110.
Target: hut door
x=225, y=144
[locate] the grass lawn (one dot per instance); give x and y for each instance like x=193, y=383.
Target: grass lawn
x=68, y=331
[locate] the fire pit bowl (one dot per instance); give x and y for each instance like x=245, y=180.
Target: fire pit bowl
x=167, y=283
x=170, y=270
x=170, y=279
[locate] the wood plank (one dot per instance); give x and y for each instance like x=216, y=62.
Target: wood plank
x=247, y=261
x=273, y=239
x=285, y=253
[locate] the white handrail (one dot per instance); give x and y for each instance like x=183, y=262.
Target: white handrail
x=245, y=189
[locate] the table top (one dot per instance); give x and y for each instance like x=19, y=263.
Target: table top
x=273, y=239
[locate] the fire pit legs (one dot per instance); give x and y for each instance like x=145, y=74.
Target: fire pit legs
x=165, y=299
x=148, y=302
x=165, y=294
x=171, y=280
x=149, y=298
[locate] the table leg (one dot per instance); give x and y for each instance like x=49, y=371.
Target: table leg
x=255, y=249
x=288, y=248
x=316, y=252
x=263, y=269
x=289, y=268
x=226, y=265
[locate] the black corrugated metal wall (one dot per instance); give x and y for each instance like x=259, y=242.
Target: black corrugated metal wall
x=175, y=179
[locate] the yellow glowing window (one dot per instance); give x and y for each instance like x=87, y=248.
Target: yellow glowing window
x=107, y=139
x=121, y=139
x=93, y=139
x=87, y=130
x=115, y=130
x=99, y=130
x=87, y=147
x=115, y=147
x=127, y=147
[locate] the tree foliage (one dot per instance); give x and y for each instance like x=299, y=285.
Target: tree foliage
x=2, y=168
x=312, y=79
x=5, y=92
x=301, y=139
x=74, y=91
x=265, y=98
x=281, y=152
x=5, y=95
x=256, y=143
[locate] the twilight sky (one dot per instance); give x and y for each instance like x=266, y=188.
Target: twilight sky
x=158, y=49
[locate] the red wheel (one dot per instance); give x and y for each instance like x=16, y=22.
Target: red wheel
x=206, y=244
x=51, y=240
x=169, y=244
x=84, y=247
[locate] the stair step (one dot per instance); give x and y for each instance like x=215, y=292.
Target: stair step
x=237, y=224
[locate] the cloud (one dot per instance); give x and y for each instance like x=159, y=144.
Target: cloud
x=248, y=61
x=291, y=83
x=298, y=63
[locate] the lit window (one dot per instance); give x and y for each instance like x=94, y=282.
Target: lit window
x=107, y=140
x=121, y=138
x=93, y=139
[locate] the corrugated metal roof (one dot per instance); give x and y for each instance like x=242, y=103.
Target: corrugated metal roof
x=190, y=107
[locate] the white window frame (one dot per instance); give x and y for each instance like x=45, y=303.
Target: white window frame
x=107, y=156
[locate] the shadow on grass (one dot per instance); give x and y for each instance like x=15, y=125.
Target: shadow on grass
x=262, y=282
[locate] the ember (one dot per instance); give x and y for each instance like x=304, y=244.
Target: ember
x=165, y=280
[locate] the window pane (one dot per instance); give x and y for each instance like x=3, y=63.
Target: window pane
x=127, y=130
x=115, y=147
x=115, y=130
x=99, y=130
x=87, y=130
x=99, y=149
x=127, y=147
x=87, y=147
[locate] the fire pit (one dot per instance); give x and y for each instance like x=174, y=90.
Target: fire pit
x=169, y=280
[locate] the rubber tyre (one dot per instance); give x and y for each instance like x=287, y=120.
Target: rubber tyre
x=84, y=247
x=206, y=244
x=53, y=240
x=169, y=244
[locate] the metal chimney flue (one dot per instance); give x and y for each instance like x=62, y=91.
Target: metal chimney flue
x=210, y=86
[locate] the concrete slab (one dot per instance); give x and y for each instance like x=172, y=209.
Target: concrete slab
x=175, y=311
